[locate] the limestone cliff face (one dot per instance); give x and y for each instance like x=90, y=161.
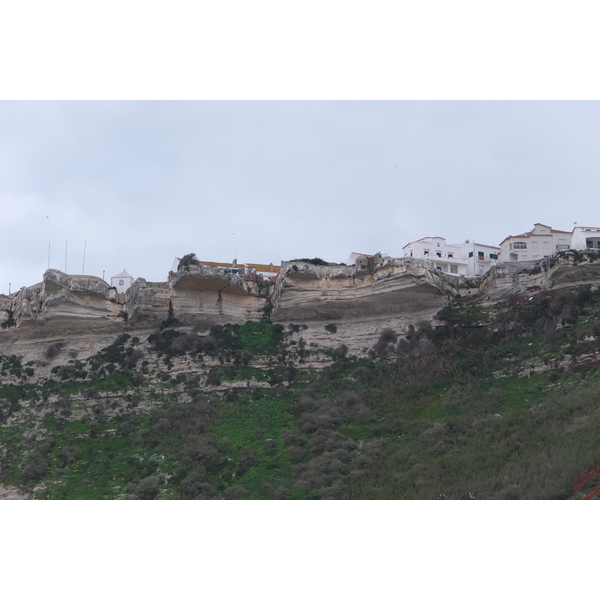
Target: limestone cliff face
x=206, y=291
x=352, y=305
x=147, y=303
x=569, y=268
x=196, y=294
x=307, y=292
x=326, y=305
x=78, y=296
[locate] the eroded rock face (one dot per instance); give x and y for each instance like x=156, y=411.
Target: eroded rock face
x=147, y=303
x=554, y=272
x=352, y=305
x=396, y=287
x=78, y=296
x=206, y=292
x=328, y=305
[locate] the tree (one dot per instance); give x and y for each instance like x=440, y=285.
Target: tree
x=188, y=259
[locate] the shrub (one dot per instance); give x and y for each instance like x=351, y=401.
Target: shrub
x=312, y=261
x=235, y=492
x=331, y=327
x=36, y=466
x=187, y=260
x=147, y=488
x=53, y=350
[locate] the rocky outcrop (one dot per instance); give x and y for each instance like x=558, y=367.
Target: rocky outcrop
x=78, y=296
x=147, y=303
x=323, y=306
x=352, y=305
x=567, y=269
x=306, y=292
x=210, y=293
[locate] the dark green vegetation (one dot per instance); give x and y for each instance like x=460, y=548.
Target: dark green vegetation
x=500, y=402
x=313, y=261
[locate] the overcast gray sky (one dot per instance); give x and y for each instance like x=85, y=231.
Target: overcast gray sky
x=146, y=181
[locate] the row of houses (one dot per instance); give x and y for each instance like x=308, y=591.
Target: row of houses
x=473, y=258
x=468, y=259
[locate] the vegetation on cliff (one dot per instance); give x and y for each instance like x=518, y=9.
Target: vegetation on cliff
x=500, y=402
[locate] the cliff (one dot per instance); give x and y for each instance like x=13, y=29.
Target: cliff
x=327, y=305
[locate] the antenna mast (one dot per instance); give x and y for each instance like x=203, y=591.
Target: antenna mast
x=83, y=267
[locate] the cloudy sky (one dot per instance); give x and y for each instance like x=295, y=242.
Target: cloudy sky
x=139, y=183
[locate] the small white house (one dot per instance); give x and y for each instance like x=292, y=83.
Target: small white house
x=467, y=259
x=122, y=282
x=584, y=238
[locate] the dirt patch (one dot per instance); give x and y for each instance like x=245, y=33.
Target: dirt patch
x=11, y=493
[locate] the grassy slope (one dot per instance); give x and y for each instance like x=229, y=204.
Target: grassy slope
x=503, y=402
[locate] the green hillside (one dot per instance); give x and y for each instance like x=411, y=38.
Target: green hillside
x=503, y=402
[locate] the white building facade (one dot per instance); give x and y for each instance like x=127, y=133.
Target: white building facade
x=122, y=282
x=467, y=259
x=585, y=238
x=541, y=241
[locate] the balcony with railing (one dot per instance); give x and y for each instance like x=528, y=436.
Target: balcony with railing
x=562, y=246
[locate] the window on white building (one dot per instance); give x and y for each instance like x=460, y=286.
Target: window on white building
x=480, y=255
x=493, y=256
x=453, y=269
x=450, y=255
x=520, y=245
x=545, y=245
x=439, y=254
x=524, y=257
x=121, y=282
x=534, y=244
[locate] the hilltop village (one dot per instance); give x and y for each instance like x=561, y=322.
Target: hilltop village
x=356, y=300
x=467, y=259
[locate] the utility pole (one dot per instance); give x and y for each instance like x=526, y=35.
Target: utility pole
x=83, y=267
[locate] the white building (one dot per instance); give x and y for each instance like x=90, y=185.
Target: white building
x=122, y=282
x=541, y=241
x=467, y=259
x=584, y=238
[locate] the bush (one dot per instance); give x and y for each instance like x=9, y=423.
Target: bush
x=331, y=327
x=312, y=261
x=235, y=492
x=36, y=466
x=147, y=488
x=187, y=260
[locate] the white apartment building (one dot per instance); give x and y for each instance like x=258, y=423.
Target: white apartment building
x=467, y=259
x=541, y=241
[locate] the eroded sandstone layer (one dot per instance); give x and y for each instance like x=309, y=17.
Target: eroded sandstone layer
x=327, y=305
